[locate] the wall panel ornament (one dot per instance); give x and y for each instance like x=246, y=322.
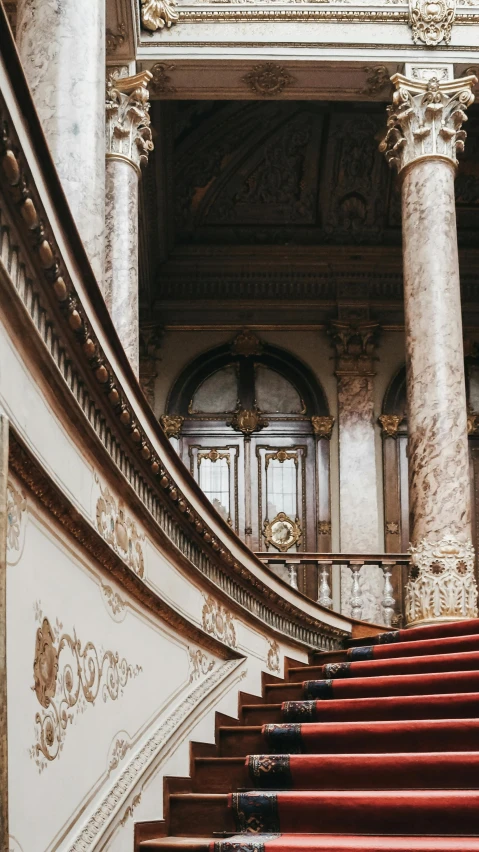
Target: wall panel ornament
x=200, y=664
x=119, y=531
x=120, y=746
x=115, y=605
x=218, y=621
x=157, y=14
x=268, y=79
x=273, y=660
x=431, y=20
x=68, y=676
x=16, y=522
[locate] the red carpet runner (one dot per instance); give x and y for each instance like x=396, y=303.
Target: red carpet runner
x=380, y=752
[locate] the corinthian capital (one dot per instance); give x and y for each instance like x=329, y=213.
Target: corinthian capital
x=425, y=119
x=128, y=133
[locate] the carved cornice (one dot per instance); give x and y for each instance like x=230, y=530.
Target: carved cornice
x=425, y=120
x=50, y=301
x=128, y=132
x=431, y=20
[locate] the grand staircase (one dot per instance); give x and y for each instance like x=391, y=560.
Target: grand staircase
x=374, y=748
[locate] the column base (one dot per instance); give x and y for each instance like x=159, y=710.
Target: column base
x=441, y=585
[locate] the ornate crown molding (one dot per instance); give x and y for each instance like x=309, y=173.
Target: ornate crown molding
x=128, y=132
x=157, y=14
x=425, y=119
x=431, y=20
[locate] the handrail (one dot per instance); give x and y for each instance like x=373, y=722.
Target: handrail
x=337, y=558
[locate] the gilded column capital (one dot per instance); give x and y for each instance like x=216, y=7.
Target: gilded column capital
x=355, y=344
x=128, y=132
x=425, y=120
x=389, y=425
x=322, y=426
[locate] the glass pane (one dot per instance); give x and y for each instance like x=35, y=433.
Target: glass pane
x=215, y=481
x=281, y=483
x=274, y=394
x=218, y=393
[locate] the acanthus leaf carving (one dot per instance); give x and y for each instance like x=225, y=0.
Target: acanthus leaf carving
x=157, y=14
x=200, y=664
x=390, y=424
x=218, y=621
x=128, y=132
x=425, y=119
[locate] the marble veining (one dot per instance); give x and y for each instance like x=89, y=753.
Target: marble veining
x=62, y=48
x=359, y=523
x=439, y=490
x=121, y=256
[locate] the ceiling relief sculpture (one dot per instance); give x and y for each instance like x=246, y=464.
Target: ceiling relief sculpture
x=294, y=173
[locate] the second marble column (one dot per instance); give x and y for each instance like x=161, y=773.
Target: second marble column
x=424, y=133
x=129, y=143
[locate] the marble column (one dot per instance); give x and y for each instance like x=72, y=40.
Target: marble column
x=358, y=490
x=424, y=133
x=128, y=145
x=62, y=48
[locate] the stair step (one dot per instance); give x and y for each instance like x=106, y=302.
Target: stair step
x=259, y=714
x=380, y=812
x=220, y=774
x=448, y=645
x=325, y=843
x=466, y=661
x=363, y=687
x=415, y=634
x=406, y=707
x=240, y=740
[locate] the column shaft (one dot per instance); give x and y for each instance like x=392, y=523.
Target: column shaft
x=62, y=47
x=439, y=492
x=424, y=134
x=121, y=262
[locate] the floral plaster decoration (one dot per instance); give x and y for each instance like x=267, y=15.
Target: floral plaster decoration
x=200, y=664
x=218, y=621
x=119, y=531
x=70, y=675
x=16, y=522
x=272, y=657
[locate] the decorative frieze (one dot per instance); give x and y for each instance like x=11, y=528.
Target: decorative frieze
x=128, y=132
x=441, y=585
x=431, y=20
x=425, y=119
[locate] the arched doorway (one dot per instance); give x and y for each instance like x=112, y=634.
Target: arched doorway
x=254, y=433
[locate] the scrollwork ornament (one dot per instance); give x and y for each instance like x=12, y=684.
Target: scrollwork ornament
x=268, y=79
x=119, y=531
x=218, y=621
x=273, y=659
x=158, y=14
x=16, y=509
x=441, y=584
x=425, y=119
x=431, y=20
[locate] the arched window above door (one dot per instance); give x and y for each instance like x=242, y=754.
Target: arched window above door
x=253, y=419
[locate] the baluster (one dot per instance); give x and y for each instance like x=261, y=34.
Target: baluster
x=357, y=601
x=324, y=597
x=293, y=576
x=388, y=600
